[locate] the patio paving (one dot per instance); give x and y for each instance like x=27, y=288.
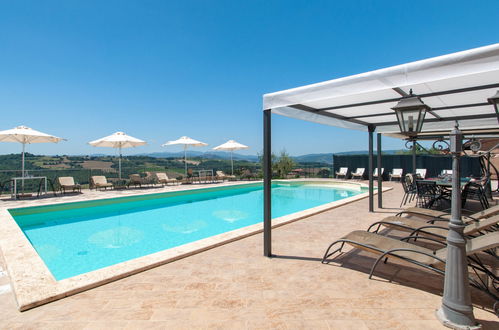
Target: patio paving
x=234, y=286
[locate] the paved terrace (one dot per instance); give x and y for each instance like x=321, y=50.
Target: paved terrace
x=234, y=286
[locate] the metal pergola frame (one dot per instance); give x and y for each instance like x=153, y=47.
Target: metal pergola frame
x=371, y=128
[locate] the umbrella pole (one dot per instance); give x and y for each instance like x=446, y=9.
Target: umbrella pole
x=22, y=167
x=231, y=163
x=119, y=164
x=185, y=160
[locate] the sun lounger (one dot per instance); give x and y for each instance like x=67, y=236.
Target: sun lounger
x=100, y=181
x=446, y=172
x=150, y=178
x=135, y=180
x=248, y=175
x=396, y=174
x=342, y=173
x=421, y=173
x=427, y=213
x=66, y=183
x=430, y=259
x=375, y=174
x=163, y=178
x=439, y=230
x=359, y=173
x=220, y=175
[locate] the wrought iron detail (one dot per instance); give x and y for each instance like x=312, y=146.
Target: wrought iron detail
x=442, y=146
x=472, y=144
x=408, y=144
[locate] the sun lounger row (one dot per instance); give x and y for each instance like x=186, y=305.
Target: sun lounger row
x=481, y=232
x=395, y=174
x=135, y=180
x=67, y=184
x=358, y=174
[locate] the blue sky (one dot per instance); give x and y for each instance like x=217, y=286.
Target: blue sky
x=162, y=69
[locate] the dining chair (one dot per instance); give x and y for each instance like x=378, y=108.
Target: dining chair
x=427, y=193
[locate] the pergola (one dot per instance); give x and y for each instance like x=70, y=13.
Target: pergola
x=456, y=87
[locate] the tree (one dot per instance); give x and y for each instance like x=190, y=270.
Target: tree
x=284, y=164
x=324, y=173
x=281, y=165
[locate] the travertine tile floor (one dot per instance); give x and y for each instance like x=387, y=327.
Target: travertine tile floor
x=235, y=287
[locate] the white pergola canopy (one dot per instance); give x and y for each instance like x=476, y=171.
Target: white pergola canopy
x=455, y=86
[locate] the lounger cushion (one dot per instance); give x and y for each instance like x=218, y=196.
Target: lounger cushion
x=66, y=181
x=100, y=181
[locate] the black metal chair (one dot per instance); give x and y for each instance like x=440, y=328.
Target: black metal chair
x=428, y=193
x=409, y=189
x=474, y=191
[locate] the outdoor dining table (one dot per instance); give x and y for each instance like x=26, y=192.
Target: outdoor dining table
x=445, y=187
x=442, y=183
x=26, y=178
x=206, y=176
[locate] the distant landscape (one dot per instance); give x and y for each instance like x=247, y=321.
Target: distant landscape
x=82, y=167
x=324, y=158
x=172, y=160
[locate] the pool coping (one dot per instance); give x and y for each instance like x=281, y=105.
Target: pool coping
x=34, y=285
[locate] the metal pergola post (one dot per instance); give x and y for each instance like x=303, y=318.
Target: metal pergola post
x=371, y=168
x=380, y=175
x=488, y=187
x=456, y=311
x=414, y=146
x=267, y=182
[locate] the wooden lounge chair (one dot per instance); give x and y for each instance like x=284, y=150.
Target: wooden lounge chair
x=359, y=173
x=220, y=175
x=396, y=174
x=342, y=173
x=135, y=180
x=67, y=183
x=438, y=230
x=99, y=182
x=421, y=173
x=150, y=179
x=248, y=175
x=439, y=215
x=433, y=260
x=163, y=178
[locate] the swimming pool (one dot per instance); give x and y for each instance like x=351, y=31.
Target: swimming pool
x=76, y=238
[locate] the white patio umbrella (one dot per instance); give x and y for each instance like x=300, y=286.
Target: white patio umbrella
x=118, y=140
x=186, y=142
x=26, y=135
x=231, y=145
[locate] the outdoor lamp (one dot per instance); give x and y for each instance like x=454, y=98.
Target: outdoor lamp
x=410, y=111
x=494, y=100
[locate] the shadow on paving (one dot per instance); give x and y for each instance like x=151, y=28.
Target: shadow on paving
x=398, y=272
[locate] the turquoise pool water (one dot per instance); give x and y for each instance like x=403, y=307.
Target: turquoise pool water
x=75, y=238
